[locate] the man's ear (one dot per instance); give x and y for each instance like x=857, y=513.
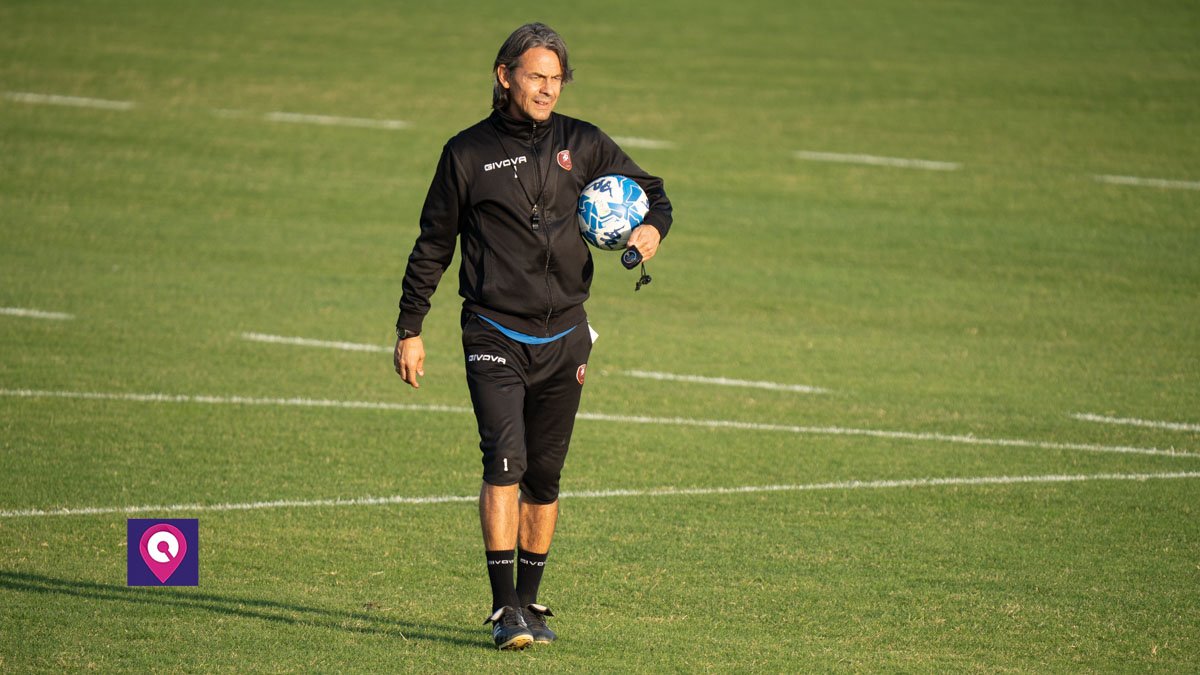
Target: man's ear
x=502, y=76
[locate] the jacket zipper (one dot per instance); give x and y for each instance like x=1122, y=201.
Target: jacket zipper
x=537, y=166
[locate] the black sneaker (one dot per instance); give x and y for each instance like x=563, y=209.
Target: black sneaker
x=509, y=629
x=535, y=618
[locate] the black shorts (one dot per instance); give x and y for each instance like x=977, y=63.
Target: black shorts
x=525, y=399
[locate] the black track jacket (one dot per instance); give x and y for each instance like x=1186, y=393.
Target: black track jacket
x=530, y=275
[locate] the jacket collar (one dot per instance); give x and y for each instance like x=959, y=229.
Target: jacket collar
x=520, y=129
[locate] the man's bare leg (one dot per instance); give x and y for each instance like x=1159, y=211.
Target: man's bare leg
x=534, y=536
x=504, y=517
x=537, y=526
x=499, y=516
x=499, y=513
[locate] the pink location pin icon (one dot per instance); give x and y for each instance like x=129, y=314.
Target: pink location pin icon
x=163, y=547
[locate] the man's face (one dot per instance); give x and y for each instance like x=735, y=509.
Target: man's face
x=533, y=85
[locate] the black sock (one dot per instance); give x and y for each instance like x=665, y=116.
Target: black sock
x=529, y=575
x=500, y=573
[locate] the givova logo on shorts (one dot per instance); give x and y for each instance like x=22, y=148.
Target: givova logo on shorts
x=482, y=358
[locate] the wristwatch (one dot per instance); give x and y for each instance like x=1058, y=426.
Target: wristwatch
x=404, y=334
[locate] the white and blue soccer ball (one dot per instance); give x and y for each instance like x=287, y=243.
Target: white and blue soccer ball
x=609, y=208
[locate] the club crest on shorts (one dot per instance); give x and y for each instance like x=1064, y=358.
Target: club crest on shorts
x=580, y=373
x=564, y=159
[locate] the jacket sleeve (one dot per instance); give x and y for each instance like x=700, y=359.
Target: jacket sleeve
x=610, y=159
x=434, y=249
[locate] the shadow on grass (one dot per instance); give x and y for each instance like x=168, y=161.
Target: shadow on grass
x=366, y=623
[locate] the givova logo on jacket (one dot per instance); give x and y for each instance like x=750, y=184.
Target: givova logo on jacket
x=511, y=161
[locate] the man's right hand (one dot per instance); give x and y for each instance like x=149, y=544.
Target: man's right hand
x=410, y=360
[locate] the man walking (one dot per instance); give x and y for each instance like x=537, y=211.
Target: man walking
x=506, y=188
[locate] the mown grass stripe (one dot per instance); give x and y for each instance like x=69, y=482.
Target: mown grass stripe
x=967, y=481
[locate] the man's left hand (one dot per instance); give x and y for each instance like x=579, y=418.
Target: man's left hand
x=646, y=240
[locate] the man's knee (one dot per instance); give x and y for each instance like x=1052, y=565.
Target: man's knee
x=540, y=487
x=503, y=468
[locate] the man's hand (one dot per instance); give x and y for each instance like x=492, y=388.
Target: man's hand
x=646, y=240
x=410, y=360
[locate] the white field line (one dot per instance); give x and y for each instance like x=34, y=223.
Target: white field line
x=900, y=162
x=361, y=347
x=1173, y=426
x=233, y=400
x=323, y=120
x=230, y=113
x=602, y=494
x=1149, y=182
x=724, y=381
x=308, y=342
x=73, y=101
x=35, y=313
x=882, y=433
x=646, y=143
x=602, y=417
x=334, y=121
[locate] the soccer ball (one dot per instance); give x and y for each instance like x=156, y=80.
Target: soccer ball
x=609, y=208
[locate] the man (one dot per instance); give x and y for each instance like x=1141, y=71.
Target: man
x=507, y=189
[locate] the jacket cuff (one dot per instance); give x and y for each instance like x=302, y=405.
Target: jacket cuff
x=409, y=322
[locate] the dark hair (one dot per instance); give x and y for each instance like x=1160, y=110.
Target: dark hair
x=523, y=39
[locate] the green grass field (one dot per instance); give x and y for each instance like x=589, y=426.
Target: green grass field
x=958, y=321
